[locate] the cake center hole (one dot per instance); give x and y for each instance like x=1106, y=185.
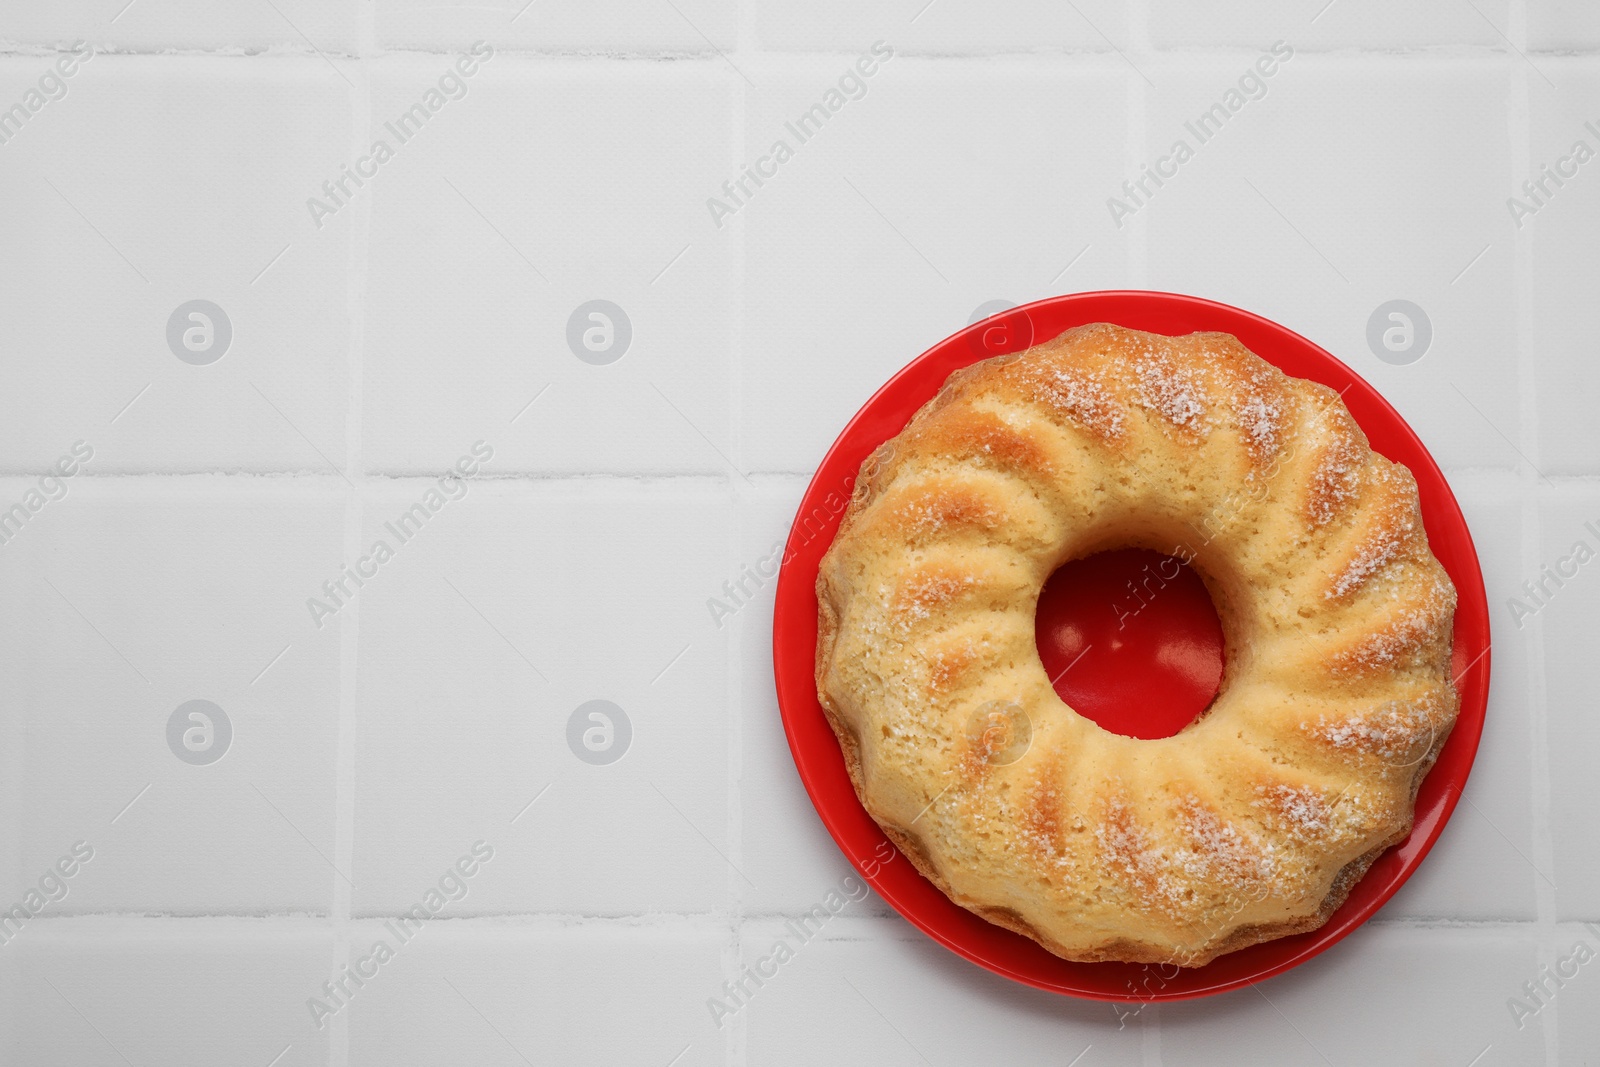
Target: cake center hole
x=1131, y=639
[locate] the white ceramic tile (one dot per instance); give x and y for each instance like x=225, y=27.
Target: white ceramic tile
x=507, y=995
x=128, y=601
x=942, y=28
x=1385, y=994
x=1568, y=982
x=1297, y=209
x=1559, y=331
x=328, y=28
x=1483, y=866
x=1341, y=24
x=1561, y=610
x=560, y=25
x=548, y=185
x=892, y=996
x=488, y=630
x=875, y=240
x=787, y=852
x=1562, y=25
x=154, y=182
x=111, y=992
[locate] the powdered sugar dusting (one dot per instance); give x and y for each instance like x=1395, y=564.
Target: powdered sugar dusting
x=1408, y=630
x=1380, y=550
x=948, y=664
x=1041, y=821
x=1217, y=851
x=1080, y=396
x=921, y=593
x=932, y=513
x=1262, y=422
x=1172, y=391
x=1336, y=480
x=1303, y=813
x=924, y=519
x=1213, y=852
x=1127, y=848
x=1395, y=730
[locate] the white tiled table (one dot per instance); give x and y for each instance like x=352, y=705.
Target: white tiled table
x=429, y=312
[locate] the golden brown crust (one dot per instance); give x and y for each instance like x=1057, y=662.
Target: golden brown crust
x=1253, y=823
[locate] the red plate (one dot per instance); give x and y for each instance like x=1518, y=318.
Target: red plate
x=816, y=752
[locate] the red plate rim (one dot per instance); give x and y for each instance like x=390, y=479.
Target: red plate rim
x=821, y=764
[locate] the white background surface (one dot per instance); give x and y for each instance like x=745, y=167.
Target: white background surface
x=369, y=353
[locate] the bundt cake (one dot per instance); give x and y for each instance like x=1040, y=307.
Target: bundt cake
x=1255, y=820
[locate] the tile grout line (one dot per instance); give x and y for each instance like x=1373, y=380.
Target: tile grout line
x=1489, y=52
x=350, y=621
x=1136, y=246
x=678, y=921
x=736, y=1042
x=1137, y=251
x=303, y=476
x=1487, y=479
x=1520, y=133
